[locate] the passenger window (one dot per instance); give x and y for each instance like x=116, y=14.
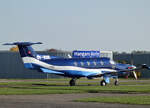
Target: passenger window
x=88, y=63
x=75, y=63
x=82, y=64
x=94, y=63
x=101, y=63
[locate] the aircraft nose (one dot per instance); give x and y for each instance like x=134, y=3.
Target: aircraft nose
x=133, y=67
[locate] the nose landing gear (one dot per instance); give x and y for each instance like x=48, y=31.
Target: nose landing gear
x=116, y=83
x=104, y=83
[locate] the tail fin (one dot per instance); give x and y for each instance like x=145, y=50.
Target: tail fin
x=25, y=48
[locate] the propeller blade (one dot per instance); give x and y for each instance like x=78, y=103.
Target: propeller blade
x=135, y=76
x=132, y=62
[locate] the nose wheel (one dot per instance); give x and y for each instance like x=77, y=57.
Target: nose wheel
x=116, y=83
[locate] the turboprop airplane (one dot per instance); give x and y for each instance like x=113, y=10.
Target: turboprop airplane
x=74, y=68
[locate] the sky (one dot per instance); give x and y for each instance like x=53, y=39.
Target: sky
x=116, y=25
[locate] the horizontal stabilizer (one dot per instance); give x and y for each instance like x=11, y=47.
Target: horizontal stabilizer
x=23, y=43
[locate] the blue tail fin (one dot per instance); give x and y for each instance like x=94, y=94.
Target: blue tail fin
x=26, y=52
x=25, y=48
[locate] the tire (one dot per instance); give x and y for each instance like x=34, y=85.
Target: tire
x=72, y=82
x=103, y=83
x=116, y=83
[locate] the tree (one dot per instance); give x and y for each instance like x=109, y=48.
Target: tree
x=14, y=49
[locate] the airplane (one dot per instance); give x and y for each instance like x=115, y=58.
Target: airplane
x=74, y=68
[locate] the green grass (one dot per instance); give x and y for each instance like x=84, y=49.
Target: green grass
x=61, y=86
x=139, y=100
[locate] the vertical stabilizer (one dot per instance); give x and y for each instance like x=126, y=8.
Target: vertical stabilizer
x=26, y=52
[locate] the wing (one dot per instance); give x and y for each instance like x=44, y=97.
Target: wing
x=143, y=66
x=114, y=72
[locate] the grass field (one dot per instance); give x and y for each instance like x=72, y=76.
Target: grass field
x=61, y=86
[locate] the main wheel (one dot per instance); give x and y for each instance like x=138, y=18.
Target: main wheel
x=72, y=82
x=116, y=83
x=103, y=83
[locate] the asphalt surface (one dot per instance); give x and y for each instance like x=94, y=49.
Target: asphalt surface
x=60, y=101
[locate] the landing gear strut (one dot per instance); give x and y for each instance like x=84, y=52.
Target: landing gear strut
x=116, y=83
x=72, y=82
x=104, y=82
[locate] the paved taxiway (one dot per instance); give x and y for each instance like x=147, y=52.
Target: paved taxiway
x=60, y=101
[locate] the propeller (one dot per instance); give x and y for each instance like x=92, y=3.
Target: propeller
x=135, y=75
x=133, y=67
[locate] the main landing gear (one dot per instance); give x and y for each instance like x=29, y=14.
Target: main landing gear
x=103, y=83
x=72, y=82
